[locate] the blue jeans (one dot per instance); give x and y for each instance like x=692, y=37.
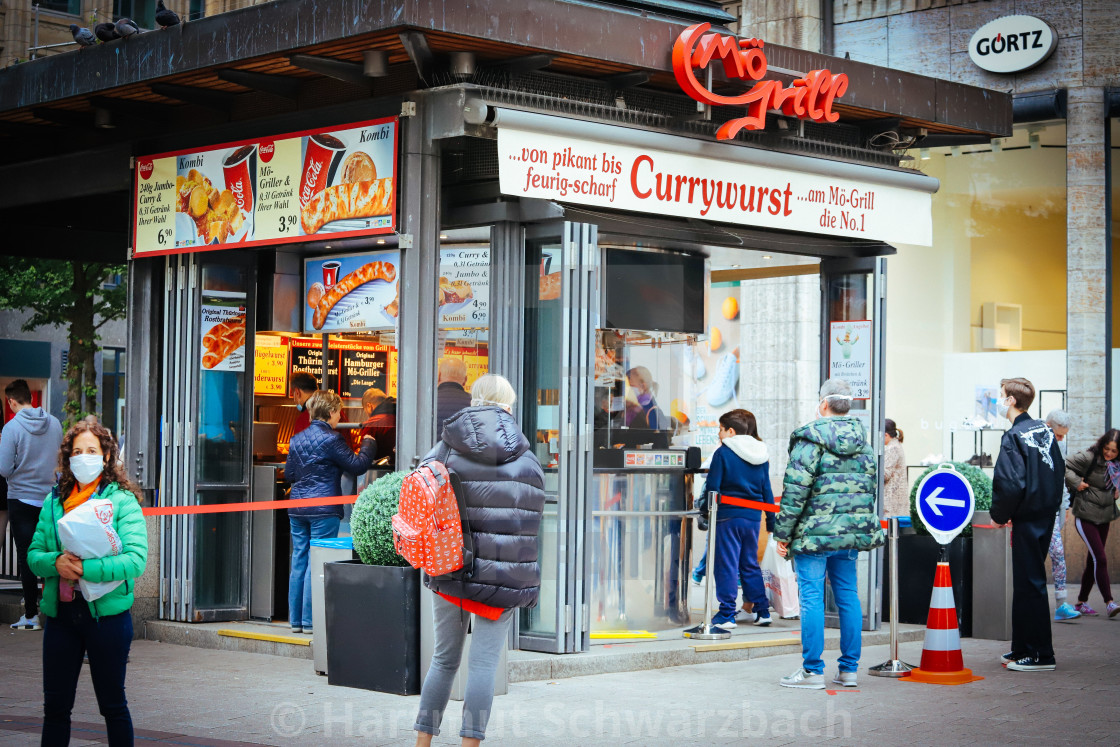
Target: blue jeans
x=737, y=561
x=701, y=568
x=69, y=635
x=305, y=529
x=840, y=566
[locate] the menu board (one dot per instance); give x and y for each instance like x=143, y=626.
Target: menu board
x=363, y=369
x=270, y=370
x=464, y=287
x=849, y=355
x=223, y=332
x=351, y=292
x=353, y=365
x=307, y=357
x=333, y=182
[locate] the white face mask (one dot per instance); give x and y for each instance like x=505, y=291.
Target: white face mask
x=86, y=467
x=1002, y=407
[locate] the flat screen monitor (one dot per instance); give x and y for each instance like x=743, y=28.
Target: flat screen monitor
x=654, y=291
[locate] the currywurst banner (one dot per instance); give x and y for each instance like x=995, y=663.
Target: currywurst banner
x=609, y=175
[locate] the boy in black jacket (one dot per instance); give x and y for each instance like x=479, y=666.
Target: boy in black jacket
x=1027, y=491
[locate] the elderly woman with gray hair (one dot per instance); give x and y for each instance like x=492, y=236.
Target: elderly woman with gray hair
x=503, y=491
x=1059, y=422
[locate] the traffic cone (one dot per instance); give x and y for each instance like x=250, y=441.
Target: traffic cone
x=942, y=662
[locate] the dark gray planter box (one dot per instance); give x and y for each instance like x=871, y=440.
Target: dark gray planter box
x=373, y=627
x=917, y=563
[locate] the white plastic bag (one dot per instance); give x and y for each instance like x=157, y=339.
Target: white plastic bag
x=781, y=582
x=88, y=532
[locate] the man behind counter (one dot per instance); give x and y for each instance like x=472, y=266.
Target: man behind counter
x=303, y=386
x=381, y=423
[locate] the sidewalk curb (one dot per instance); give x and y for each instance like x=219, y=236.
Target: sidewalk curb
x=526, y=666
x=199, y=636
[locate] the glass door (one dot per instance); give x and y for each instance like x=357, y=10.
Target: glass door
x=561, y=309
x=852, y=334
x=208, y=323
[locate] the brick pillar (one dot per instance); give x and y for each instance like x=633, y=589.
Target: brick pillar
x=1086, y=266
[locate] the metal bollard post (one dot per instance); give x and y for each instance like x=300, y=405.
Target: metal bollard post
x=893, y=667
x=705, y=631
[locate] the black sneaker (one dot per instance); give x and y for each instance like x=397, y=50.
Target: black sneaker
x=1009, y=657
x=1033, y=664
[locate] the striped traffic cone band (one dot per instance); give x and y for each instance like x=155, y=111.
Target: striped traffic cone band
x=942, y=661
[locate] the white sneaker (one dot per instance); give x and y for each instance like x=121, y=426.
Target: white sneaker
x=724, y=381
x=25, y=623
x=803, y=680
x=729, y=625
x=846, y=679
x=761, y=620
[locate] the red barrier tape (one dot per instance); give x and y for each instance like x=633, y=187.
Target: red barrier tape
x=229, y=508
x=745, y=503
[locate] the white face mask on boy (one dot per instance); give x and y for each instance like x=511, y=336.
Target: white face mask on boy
x=1002, y=407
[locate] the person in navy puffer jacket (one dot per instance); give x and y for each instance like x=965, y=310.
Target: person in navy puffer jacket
x=317, y=457
x=503, y=493
x=740, y=469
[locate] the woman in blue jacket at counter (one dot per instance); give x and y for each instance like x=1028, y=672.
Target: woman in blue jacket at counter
x=740, y=469
x=317, y=457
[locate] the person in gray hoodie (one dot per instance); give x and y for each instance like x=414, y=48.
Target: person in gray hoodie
x=740, y=471
x=28, y=461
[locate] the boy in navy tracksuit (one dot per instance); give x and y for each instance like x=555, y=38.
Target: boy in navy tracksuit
x=740, y=469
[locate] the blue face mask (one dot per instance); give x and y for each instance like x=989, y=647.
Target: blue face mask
x=299, y=408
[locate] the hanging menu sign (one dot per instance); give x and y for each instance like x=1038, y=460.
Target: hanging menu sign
x=464, y=287
x=307, y=357
x=364, y=366
x=269, y=370
x=353, y=365
x=328, y=183
x=849, y=355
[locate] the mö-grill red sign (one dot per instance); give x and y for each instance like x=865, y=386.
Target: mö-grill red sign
x=810, y=97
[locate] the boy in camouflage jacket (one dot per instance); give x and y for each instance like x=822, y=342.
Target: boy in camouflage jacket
x=827, y=517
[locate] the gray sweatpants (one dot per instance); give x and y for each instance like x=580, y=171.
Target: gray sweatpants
x=488, y=640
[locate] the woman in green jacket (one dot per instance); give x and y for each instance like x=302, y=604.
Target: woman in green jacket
x=1093, y=479
x=89, y=466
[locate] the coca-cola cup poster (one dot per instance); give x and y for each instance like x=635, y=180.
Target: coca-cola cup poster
x=334, y=182
x=351, y=292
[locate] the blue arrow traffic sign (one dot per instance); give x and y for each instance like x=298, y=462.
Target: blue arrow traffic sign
x=945, y=503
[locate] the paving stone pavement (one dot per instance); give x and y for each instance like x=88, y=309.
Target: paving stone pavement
x=188, y=696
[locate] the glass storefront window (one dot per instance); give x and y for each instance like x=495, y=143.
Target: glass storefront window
x=1114, y=200
x=463, y=339
x=221, y=385
x=219, y=552
x=541, y=413
x=986, y=301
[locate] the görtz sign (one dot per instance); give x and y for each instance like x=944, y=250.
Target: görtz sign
x=1012, y=44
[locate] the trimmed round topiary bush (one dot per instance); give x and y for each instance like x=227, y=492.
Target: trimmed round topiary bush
x=371, y=521
x=981, y=489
